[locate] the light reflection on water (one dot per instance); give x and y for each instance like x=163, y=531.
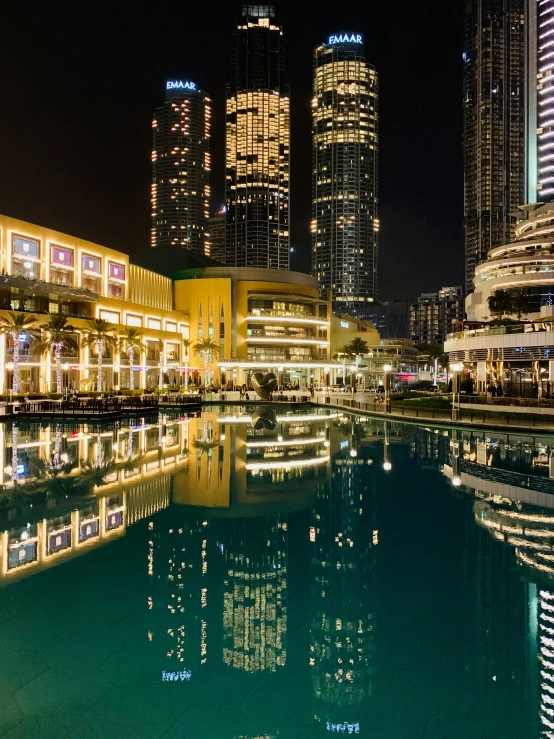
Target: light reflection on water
x=377, y=579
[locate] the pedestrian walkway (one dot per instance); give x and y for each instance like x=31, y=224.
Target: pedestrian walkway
x=491, y=419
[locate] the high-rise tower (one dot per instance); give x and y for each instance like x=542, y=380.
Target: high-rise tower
x=540, y=100
x=257, y=145
x=181, y=168
x=493, y=126
x=345, y=157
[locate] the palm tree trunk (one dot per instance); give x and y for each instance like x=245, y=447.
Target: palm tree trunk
x=186, y=375
x=131, y=353
x=206, y=370
x=16, y=380
x=100, y=347
x=57, y=447
x=14, y=453
x=58, y=360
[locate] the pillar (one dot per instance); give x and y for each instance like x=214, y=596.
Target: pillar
x=481, y=377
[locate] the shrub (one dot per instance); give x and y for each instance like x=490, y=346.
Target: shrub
x=54, y=396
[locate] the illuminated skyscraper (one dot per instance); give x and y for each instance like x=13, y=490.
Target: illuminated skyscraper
x=540, y=100
x=493, y=126
x=345, y=157
x=217, y=236
x=181, y=168
x=257, y=145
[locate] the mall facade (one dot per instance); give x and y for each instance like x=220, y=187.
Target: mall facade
x=260, y=319
x=517, y=353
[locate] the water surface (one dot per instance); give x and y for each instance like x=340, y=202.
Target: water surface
x=249, y=574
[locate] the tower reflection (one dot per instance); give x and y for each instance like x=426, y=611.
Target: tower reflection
x=343, y=538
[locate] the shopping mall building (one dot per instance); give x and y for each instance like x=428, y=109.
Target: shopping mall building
x=520, y=354
x=261, y=319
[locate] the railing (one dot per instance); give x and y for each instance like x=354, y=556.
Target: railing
x=511, y=328
x=87, y=406
x=471, y=416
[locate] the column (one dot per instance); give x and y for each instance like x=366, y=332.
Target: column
x=481, y=377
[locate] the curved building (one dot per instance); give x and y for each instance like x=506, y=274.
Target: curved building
x=527, y=262
x=344, y=173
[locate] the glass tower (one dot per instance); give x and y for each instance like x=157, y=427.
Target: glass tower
x=345, y=158
x=257, y=145
x=493, y=125
x=181, y=168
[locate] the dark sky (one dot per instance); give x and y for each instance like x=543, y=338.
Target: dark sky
x=79, y=83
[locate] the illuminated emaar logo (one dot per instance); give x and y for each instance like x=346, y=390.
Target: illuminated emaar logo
x=346, y=38
x=180, y=85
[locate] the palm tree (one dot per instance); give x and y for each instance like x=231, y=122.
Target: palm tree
x=130, y=341
x=205, y=348
x=99, y=336
x=344, y=354
x=14, y=325
x=358, y=346
x=58, y=337
x=520, y=302
x=500, y=303
x=187, y=343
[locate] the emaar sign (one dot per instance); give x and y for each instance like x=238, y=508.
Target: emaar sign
x=180, y=85
x=346, y=38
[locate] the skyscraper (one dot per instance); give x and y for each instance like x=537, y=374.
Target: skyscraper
x=345, y=156
x=181, y=168
x=257, y=145
x=493, y=126
x=217, y=235
x=540, y=100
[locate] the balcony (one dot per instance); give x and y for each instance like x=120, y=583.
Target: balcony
x=37, y=286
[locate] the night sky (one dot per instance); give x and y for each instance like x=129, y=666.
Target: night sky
x=79, y=84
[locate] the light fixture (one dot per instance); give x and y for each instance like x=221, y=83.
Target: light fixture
x=387, y=466
x=456, y=366
x=27, y=265
x=222, y=437
x=353, y=452
x=387, y=368
x=456, y=481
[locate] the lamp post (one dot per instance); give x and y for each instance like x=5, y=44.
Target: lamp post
x=456, y=368
x=387, y=369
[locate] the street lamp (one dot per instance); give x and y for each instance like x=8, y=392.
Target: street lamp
x=387, y=369
x=456, y=368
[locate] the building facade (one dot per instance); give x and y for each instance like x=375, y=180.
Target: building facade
x=181, y=168
x=517, y=354
x=493, y=125
x=217, y=236
x=344, y=173
x=391, y=318
x=257, y=145
x=263, y=320
x=539, y=101
x=431, y=317
x=259, y=319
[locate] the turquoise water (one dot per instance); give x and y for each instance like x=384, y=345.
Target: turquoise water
x=249, y=574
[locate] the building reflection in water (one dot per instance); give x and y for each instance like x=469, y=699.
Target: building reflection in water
x=343, y=539
x=510, y=478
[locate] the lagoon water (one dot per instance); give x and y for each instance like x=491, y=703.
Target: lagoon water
x=255, y=573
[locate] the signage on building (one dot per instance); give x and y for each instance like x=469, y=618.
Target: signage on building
x=346, y=38
x=180, y=85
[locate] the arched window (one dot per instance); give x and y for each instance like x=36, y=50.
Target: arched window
x=222, y=332
x=200, y=326
x=211, y=322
